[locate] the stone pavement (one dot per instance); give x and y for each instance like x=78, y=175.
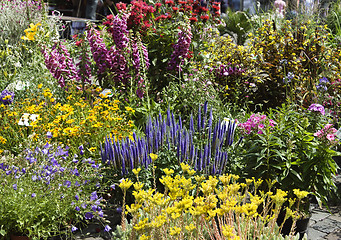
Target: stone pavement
x=324, y=224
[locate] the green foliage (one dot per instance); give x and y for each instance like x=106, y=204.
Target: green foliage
x=237, y=23
x=290, y=153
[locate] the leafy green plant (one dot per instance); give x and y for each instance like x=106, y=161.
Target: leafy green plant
x=236, y=23
x=291, y=150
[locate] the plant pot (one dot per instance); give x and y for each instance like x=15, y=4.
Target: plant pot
x=15, y=237
x=300, y=228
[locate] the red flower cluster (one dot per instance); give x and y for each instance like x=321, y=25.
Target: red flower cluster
x=192, y=7
x=139, y=15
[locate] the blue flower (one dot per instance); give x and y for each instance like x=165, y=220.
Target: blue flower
x=107, y=228
x=88, y=215
x=33, y=195
x=77, y=197
x=15, y=186
x=67, y=183
x=93, y=196
x=73, y=229
x=77, y=208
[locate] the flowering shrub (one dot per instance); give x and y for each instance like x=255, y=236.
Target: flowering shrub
x=46, y=192
x=196, y=207
x=78, y=121
x=289, y=153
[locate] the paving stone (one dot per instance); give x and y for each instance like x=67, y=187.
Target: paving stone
x=314, y=234
x=336, y=217
x=334, y=235
x=327, y=226
x=319, y=215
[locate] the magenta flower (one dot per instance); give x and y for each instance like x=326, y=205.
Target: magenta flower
x=315, y=107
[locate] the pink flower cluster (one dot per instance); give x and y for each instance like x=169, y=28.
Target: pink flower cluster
x=107, y=61
x=255, y=124
x=327, y=134
x=60, y=64
x=181, y=49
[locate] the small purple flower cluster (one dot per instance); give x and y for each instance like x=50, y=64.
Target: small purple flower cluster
x=210, y=157
x=327, y=134
x=315, y=107
x=181, y=49
x=322, y=86
x=6, y=97
x=60, y=64
x=256, y=124
x=228, y=70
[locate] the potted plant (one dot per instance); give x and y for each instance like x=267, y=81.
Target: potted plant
x=293, y=147
x=44, y=192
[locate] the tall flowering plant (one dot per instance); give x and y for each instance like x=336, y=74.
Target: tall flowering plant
x=294, y=149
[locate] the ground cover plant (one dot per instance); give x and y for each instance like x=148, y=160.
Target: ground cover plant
x=192, y=132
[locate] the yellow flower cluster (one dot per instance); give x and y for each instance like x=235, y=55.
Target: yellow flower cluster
x=31, y=32
x=78, y=121
x=196, y=207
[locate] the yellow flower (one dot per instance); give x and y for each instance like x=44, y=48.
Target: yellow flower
x=136, y=171
x=3, y=140
x=174, y=231
x=125, y=184
x=129, y=109
x=144, y=237
x=190, y=227
x=92, y=149
x=168, y=171
x=153, y=156
x=300, y=194
x=40, y=85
